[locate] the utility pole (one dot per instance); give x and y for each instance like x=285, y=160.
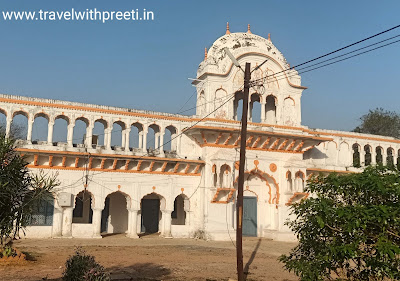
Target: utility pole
x=239, y=203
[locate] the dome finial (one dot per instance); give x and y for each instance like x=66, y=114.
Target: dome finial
x=269, y=36
x=248, y=29
x=205, y=53
x=227, y=28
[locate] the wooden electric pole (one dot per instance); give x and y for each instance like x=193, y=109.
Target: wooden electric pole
x=239, y=203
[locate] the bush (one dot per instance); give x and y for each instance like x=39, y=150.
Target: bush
x=349, y=229
x=81, y=266
x=7, y=251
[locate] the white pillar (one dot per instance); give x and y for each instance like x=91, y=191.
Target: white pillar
x=57, y=222
x=262, y=111
x=373, y=156
x=70, y=134
x=107, y=138
x=156, y=139
x=132, y=223
x=89, y=135
x=96, y=222
x=167, y=223
x=29, y=134
x=8, y=126
x=362, y=156
x=67, y=222
x=127, y=135
x=278, y=112
x=140, y=144
x=384, y=156
x=123, y=137
x=162, y=132
x=178, y=144
x=50, y=132
x=144, y=141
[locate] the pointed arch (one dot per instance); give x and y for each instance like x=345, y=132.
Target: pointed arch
x=270, y=181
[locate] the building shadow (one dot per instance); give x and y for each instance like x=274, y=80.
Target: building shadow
x=149, y=235
x=139, y=271
x=104, y=235
x=251, y=259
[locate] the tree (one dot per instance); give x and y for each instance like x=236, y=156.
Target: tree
x=380, y=122
x=17, y=131
x=349, y=229
x=20, y=191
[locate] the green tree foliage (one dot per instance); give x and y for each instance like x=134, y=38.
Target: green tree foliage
x=20, y=190
x=349, y=229
x=380, y=122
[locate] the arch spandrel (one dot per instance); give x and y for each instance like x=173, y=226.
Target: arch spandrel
x=270, y=181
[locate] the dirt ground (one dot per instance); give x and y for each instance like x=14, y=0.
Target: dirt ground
x=152, y=258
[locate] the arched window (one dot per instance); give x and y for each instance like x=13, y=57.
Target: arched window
x=300, y=181
x=389, y=157
x=225, y=176
x=153, y=137
x=118, y=135
x=178, y=216
x=356, y=155
x=398, y=159
x=79, y=133
x=83, y=212
x=201, y=105
x=3, y=121
x=255, y=108
x=289, y=181
x=379, y=156
x=40, y=128
x=368, y=156
x=19, y=125
x=60, y=132
x=270, y=110
x=99, y=131
x=219, y=104
x=136, y=135
x=215, y=177
x=289, y=112
x=170, y=140
x=238, y=106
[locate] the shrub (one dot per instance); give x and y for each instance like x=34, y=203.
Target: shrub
x=81, y=266
x=349, y=229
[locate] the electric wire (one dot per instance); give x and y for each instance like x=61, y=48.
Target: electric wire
x=283, y=75
x=342, y=48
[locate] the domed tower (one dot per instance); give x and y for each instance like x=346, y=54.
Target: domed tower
x=219, y=83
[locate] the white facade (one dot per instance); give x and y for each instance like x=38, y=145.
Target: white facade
x=190, y=187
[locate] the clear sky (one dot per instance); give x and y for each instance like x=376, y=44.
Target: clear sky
x=145, y=64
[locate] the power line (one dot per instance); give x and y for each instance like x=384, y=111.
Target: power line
x=340, y=49
x=283, y=75
x=301, y=72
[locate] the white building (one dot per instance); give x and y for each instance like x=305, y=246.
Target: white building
x=188, y=186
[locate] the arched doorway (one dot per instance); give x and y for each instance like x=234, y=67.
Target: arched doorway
x=150, y=208
x=261, y=195
x=114, y=217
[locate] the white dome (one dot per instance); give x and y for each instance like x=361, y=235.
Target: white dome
x=239, y=44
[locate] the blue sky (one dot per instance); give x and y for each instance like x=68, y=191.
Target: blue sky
x=145, y=65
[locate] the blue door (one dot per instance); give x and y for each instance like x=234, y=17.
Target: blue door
x=249, y=216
